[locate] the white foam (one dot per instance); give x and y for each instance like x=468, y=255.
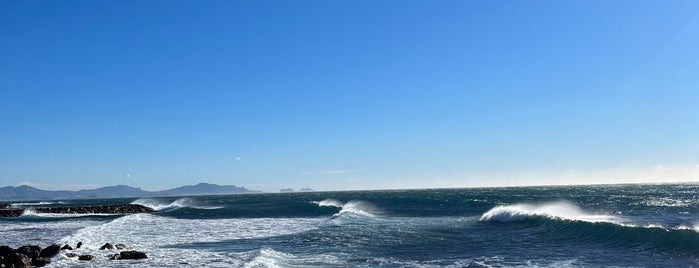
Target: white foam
x=560, y=210
x=360, y=208
x=267, y=257
x=156, y=235
x=20, y=205
x=353, y=207
x=667, y=202
x=33, y=214
x=329, y=203
x=158, y=204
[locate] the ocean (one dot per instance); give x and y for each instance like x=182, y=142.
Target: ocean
x=557, y=226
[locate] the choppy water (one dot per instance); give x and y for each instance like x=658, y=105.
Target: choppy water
x=573, y=226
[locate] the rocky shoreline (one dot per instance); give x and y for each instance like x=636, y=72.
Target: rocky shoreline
x=35, y=256
x=7, y=211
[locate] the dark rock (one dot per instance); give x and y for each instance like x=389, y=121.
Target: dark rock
x=50, y=251
x=41, y=261
x=120, y=246
x=102, y=209
x=6, y=251
x=29, y=251
x=86, y=257
x=114, y=256
x=80, y=244
x=16, y=260
x=11, y=212
x=71, y=255
x=106, y=246
x=132, y=255
x=67, y=247
x=3, y=205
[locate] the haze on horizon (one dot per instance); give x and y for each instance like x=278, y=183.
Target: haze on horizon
x=338, y=95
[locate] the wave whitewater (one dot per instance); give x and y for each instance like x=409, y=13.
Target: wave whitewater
x=160, y=205
x=353, y=207
x=31, y=213
x=560, y=210
x=565, y=220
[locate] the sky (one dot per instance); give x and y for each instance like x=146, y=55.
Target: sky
x=342, y=95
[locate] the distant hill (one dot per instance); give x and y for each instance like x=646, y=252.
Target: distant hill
x=203, y=189
x=25, y=192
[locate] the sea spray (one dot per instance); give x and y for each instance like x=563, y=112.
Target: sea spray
x=160, y=205
x=560, y=209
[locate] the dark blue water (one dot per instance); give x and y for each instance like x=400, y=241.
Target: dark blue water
x=568, y=226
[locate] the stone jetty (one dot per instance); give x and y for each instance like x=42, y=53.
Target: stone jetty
x=36, y=256
x=8, y=211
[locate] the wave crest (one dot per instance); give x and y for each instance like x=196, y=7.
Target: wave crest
x=160, y=205
x=559, y=210
x=353, y=207
x=329, y=203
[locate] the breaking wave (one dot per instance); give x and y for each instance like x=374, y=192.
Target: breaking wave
x=31, y=213
x=353, y=207
x=568, y=221
x=560, y=210
x=29, y=204
x=161, y=205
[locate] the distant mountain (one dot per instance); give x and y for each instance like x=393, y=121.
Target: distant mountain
x=203, y=189
x=25, y=192
x=114, y=191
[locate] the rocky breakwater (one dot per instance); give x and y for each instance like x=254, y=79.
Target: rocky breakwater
x=27, y=256
x=8, y=211
x=35, y=256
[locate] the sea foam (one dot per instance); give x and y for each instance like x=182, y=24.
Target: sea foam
x=353, y=207
x=560, y=210
x=159, y=205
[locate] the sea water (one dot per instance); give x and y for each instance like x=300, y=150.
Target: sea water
x=563, y=226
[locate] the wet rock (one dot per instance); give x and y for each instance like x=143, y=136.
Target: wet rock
x=114, y=256
x=41, y=261
x=132, y=255
x=71, y=255
x=120, y=246
x=106, y=246
x=6, y=251
x=102, y=209
x=10, y=212
x=86, y=257
x=67, y=247
x=106, y=209
x=16, y=260
x=80, y=244
x=50, y=251
x=29, y=251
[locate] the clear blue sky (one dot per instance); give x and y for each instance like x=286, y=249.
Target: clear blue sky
x=348, y=94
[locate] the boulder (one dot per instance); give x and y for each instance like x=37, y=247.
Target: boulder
x=67, y=247
x=106, y=246
x=71, y=255
x=80, y=244
x=114, y=256
x=132, y=255
x=120, y=246
x=86, y=257
x=50, y=251
x=41, y=261
x=17, y=260
x=29, y=251
x=6, y=251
